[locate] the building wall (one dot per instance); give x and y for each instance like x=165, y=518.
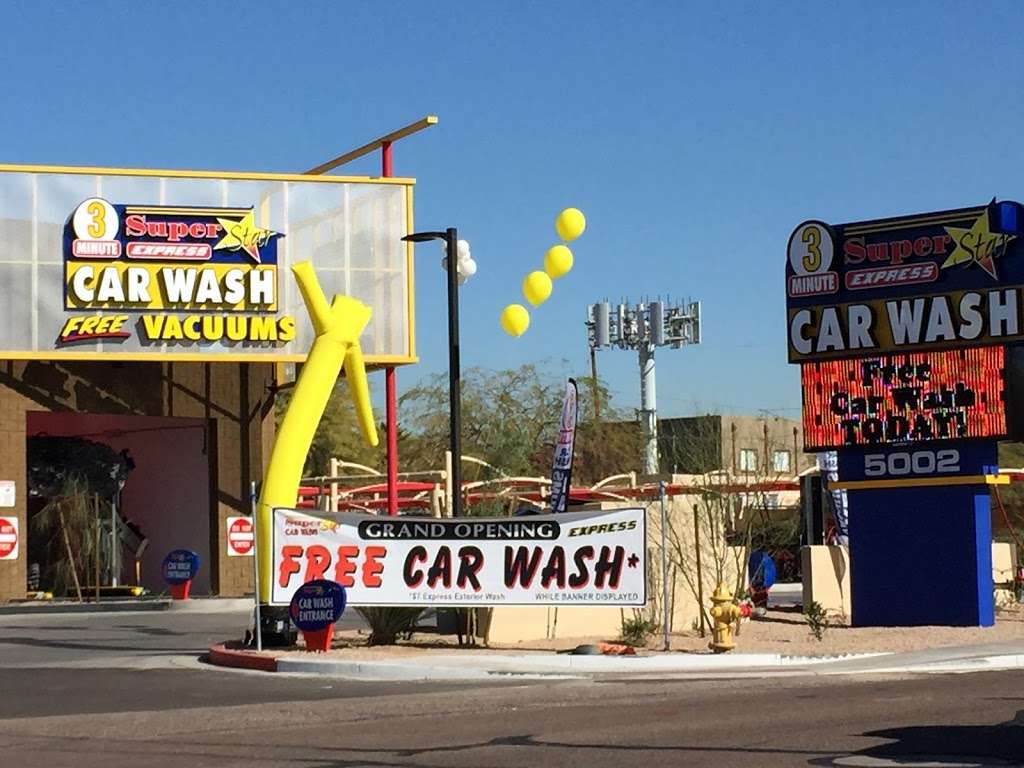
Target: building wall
x=690, y=445
x=763, y=436
x=12, y=467
x=236, y=397
x=700, y=444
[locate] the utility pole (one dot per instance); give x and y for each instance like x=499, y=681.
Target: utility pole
x=643, y=327
x=648, y=408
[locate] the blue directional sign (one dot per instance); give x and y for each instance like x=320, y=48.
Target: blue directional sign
x=179, y=566
x=317, y=604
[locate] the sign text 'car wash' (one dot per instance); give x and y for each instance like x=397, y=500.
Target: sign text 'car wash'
x=907, y=284
x=196, y=275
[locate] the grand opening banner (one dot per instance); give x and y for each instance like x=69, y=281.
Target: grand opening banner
x=577, y=558
x=128, y=264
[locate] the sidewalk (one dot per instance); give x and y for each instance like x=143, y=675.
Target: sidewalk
x=479, y=665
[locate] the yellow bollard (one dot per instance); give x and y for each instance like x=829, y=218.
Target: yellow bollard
x=338, y=326
x=724, y=613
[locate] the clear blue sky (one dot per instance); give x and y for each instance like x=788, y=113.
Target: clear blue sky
x=694, y=137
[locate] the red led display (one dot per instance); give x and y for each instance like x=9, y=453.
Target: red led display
x=904, y=398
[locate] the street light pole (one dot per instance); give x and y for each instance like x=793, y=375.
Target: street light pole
x=454, y=371
x=450, y=237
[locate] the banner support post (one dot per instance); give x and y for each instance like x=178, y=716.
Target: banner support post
x=664, y=565
x=255, y=565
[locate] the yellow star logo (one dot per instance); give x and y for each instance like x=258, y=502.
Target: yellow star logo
x=977, y=245
x=243, y=235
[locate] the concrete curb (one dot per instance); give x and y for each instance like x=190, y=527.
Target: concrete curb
x=222, y=656
x=383, y=670
x=475, y=666
x=995, y=663
x=480, y=666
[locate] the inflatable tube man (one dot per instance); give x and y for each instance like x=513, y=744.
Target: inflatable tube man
x=338, y=326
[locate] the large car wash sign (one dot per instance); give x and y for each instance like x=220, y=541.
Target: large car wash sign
x=129, y=264
x=901, y=327
x=575, y=558
x=906, y=398
x=913, y=283
x=197, y=274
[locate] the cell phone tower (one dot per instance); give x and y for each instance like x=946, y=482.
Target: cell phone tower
x=644, y=327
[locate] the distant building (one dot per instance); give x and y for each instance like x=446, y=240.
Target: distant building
x=763, y=446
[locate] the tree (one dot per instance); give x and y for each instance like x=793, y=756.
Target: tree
x=611, y=446
x=506, y=418
x=338, y=435
x=509, y=420
x=711, y=532
x=1009, y=499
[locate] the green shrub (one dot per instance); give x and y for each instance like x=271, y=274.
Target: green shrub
x=817, y=620
x=387, y=623
x=637, y=631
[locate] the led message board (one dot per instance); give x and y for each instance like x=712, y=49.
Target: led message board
x=905, y=398
x=914, y=283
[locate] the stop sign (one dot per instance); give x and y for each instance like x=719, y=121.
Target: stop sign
x=240, y=537
x=8, y=538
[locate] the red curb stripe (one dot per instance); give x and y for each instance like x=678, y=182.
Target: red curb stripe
x=222, y=656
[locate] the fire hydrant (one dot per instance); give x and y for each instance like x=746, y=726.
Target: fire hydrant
x=724, y=613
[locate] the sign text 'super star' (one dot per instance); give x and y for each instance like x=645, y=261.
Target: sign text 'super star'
x=911, y=283
x=161, y=261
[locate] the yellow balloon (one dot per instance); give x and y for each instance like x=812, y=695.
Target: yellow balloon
x=557, y=261
x=515, y=319
x=570, y=224
x=537, y=287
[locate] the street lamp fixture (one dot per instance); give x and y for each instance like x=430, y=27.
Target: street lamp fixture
x=464, y=268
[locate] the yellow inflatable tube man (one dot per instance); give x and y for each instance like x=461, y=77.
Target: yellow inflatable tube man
x=338, y=326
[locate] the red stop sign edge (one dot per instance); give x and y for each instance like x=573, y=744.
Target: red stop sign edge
x=8, y=527
x=240, y=525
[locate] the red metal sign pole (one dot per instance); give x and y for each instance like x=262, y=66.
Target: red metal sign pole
x=391, y=398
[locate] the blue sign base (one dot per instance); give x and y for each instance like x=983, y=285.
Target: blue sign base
x=920, y=555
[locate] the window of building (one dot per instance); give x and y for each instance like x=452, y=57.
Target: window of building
x=748, y=460
x=780, y=461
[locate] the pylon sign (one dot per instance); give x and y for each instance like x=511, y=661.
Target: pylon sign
x=240, y=537
x=900, y=327
x=8, y=538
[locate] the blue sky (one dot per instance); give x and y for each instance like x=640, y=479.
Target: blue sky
x=694, y=137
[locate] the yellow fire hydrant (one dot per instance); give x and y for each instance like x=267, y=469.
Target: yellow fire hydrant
x=724, y=613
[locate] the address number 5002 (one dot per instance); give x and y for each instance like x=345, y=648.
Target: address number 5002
x=916, y=463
